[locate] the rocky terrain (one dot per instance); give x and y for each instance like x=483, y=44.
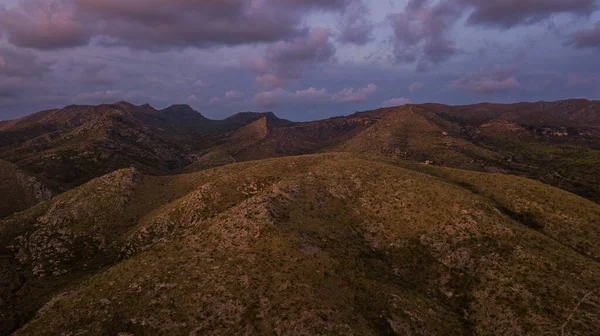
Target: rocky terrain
x=415, y=220
x=556, y=143
x=20, y=190
x=324, y=244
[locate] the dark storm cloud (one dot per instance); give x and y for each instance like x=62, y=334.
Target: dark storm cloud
x=587, y=38
x=22, y=63
x=43, y=25
x=510, y=13
x=422, y=32
x=355, y=26
x=157, y=24
x=498, y=80
x=92, y=71
x=285, y=61
x=308, y=58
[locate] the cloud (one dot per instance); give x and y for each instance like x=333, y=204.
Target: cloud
x=99, y=97
x=421, y=32
x=415, y=86
x=587, y=38
x=355, y=26
x=498, y=80
x=280, y=96
x=12, y=88
x=229, y=97
x=93, y=71
x=22, y=63
x=158, y=24
x=200, y=83
x=270, y=81
x=509, y=13
x=576, y=80
x=233, y=95
x=285, y=61
x=311, y=95
x=44, y=25
x=396, y=102
x=354, y=95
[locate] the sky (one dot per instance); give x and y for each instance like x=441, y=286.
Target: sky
x=302, y=59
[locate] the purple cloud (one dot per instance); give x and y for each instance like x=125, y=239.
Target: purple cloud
x=158, y=24
x=200, y=83
x=233, y=95
x=22, y=63
x=396, y=102
x=355, y=26
x=354, y=95
x=44, y=25
x=286, y=61
x=270, y=81
x=99, y=97
x=576, y=80
x=280, y=96
x=587, y=38
x=509, y=13
x=498, y=80
x=421, y=32
x=415, y=86
x=312, y=95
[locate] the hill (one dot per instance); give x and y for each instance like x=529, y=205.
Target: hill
x=67, y=147
x=556, y=143
x=322, y=244
x=20, y=191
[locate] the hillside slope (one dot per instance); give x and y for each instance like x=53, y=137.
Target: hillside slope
x=68, y=147
x=321, y=244
x=18, y=190
x=557, y=143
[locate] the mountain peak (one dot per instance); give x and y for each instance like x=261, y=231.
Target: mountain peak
x=179, y=108
x=248, y=117
x=124, y=104
x=180, y=111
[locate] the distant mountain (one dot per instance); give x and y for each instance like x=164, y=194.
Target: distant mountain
x=70, y=146
x=414, y=220
x=577, y=113
x=555, y=142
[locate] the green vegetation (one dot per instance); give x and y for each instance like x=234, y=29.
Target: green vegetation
x=323, y=244
x=417, y=220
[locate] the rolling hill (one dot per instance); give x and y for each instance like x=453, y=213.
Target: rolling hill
x=324, y=244
x=415, y=220
x=556, y=143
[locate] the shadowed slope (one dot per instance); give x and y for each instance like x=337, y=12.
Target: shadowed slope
x=554, y=142
x=70, y=146
x=19, y=191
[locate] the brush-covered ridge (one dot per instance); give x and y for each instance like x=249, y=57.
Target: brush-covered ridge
x=321, y=244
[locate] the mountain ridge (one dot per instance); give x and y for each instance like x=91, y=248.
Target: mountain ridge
x=521, y=138
x=411, y=220
x=333, y=241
